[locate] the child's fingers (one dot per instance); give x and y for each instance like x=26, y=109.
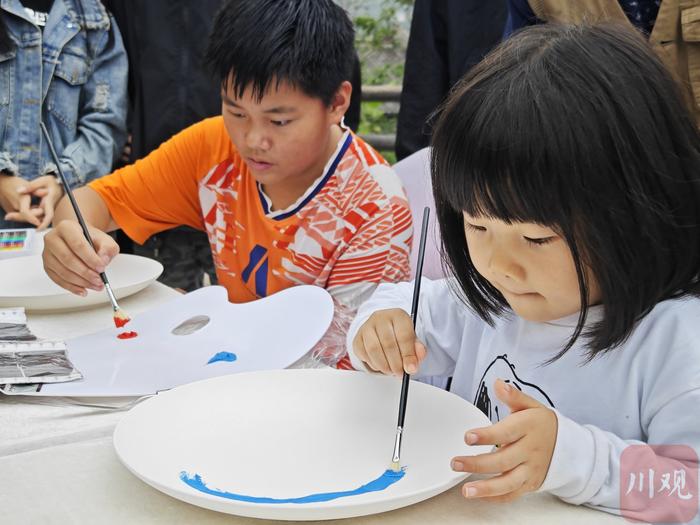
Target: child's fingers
x=25, y=211
x=65, y=277
x=41, y=192
x=421, y=351
x=375, y=355
x=506, y=431
x=106, y=247
x=16, y=216
x=405, y=340
x=48, y=206
x=508, y=483
x=501, y=460
x=358, y=346
x=390, y=347
x=77, y=290
x=34, y=185
x=62, y=259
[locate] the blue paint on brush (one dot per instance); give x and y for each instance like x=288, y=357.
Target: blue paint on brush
x=222, y=356
x=381, y=483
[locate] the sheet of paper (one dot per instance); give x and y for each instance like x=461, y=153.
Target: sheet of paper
x=271, y=333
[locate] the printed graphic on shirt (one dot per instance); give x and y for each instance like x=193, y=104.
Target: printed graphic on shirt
x=501, y=368
x=349, y=231
x=38, y=17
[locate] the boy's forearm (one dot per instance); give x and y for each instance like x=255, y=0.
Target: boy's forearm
x=92, y=207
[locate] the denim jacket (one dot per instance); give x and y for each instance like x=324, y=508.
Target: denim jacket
x=74, y=76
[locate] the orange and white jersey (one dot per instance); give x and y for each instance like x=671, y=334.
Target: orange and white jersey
x=349, y=231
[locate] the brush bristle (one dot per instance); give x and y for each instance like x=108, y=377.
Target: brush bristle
x=395, y=466
x=120, y=318
x=121, y=315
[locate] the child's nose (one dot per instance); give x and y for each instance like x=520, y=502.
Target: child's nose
x=256, y=139
x=503, y=264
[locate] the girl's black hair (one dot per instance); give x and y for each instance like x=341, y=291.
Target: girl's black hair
x=307, y=43
x=581, y=129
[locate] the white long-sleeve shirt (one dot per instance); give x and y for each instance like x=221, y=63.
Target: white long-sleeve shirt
x=646, y=391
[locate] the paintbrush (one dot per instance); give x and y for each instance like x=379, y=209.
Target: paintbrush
x=120, y=318
x=396, y=458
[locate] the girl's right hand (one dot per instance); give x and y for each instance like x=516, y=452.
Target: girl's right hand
x=70, y=261
x=387, y=343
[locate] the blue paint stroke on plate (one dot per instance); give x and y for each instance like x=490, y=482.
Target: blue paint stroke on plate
x=381, y=483
x=222, y=356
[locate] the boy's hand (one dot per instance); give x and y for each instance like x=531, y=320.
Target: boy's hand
x=70, y=261
x=387, y=343
x=526, y=439
x=16, y=203
x=49, y=191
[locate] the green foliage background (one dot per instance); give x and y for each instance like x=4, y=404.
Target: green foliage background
x=381, y=34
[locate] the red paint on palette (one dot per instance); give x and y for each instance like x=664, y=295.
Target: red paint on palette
x=119, y=322
x=127, y=335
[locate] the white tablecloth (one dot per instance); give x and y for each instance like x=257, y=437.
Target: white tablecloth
x=85, y=483
x=28, y=423
x=58, y=466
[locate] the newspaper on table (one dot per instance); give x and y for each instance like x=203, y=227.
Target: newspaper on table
x=25, y=363
x=13, y=325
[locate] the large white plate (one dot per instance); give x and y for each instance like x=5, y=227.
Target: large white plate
x=294, y=433
x=23, y=282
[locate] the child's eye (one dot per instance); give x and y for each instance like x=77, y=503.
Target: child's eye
x=237, y=115
x=474, y=227
x=540, y=241
x=281, y=123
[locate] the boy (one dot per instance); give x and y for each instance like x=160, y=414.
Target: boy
x=286, y=194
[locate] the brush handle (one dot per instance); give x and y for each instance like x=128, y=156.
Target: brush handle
x=414, y=310
x=69, y=192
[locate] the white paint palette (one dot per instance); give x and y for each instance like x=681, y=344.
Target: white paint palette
x=23, y=282
x=270, y=333
x=291, y=434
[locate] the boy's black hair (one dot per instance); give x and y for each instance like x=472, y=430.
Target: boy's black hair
x=581, y=129
x=307, y=43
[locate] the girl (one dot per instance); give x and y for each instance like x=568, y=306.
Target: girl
x=62, y=61
x=566, y=175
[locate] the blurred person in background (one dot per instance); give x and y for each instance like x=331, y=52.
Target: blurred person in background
x=447, y=38
x=63, y=63
x=672, y=27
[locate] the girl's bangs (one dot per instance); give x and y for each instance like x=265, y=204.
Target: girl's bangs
x=499, y=176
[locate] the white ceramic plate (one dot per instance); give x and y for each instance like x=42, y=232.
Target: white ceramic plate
x=23, y=282
x=289, y=434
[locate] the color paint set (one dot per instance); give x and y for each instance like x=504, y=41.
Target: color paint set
x=16, y=241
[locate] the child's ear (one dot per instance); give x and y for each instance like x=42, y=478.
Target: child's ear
x=340, y=102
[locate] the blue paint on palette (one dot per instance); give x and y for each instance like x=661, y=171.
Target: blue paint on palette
x=222, y=356
x=381, y=483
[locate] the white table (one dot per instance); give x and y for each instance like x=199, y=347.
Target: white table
x=28, y=423
x=57, y=463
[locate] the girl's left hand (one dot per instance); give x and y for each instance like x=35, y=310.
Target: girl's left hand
x=525, y=439
x=49, y=191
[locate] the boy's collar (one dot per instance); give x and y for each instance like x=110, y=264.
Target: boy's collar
x=316, y=185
